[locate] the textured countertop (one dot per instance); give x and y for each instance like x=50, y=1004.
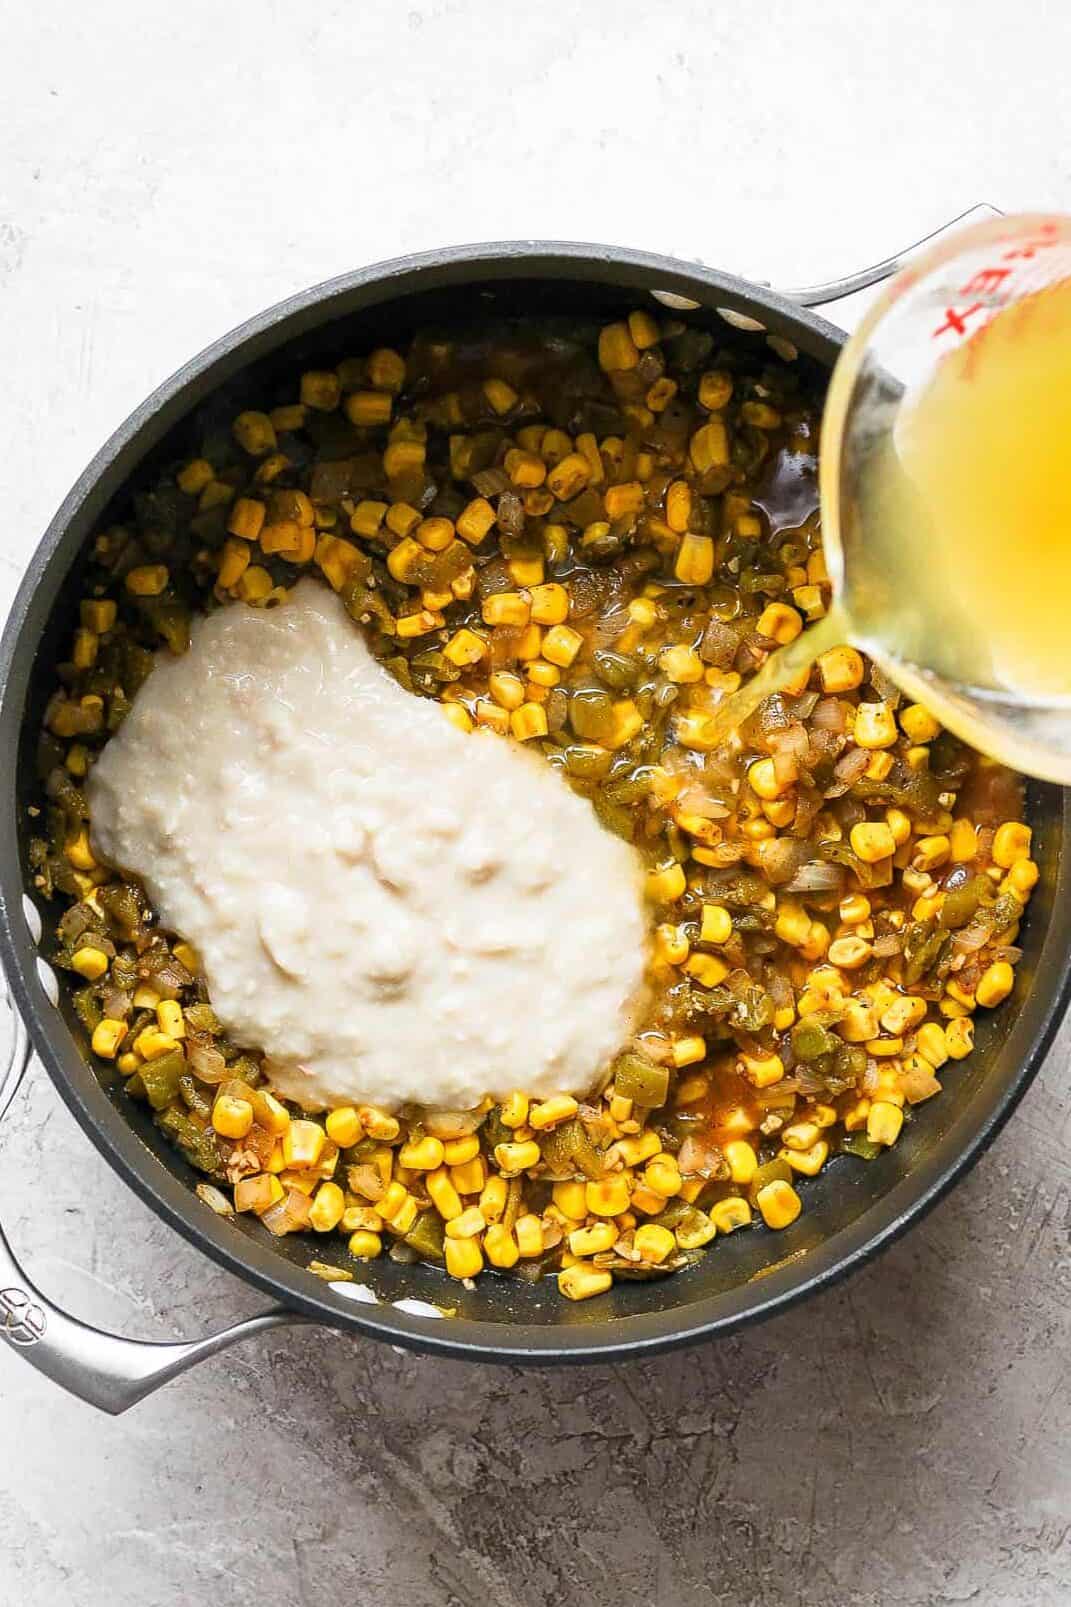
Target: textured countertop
x=902, y=1441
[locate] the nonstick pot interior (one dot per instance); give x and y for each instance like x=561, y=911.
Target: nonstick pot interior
x=851, y=1208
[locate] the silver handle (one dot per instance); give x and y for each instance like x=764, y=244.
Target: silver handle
x=101, y=1368
x=852, y=284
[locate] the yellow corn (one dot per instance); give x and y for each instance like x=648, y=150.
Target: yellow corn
x=595, y=1240
x=493, y=1198
x=995, y=984
x=688, y=1051
x=807, y=1161
x=303, y=1144
x=255, y=433
x=875, y=726
x=328, y=1204
x=464, y=647
x=467, y=1225
x=841, y=669
x=694, y=563
x=422, y=1155
x=607, y=1196
x=743, y=1162
x=464, y=1258
x=918, y=724
x=582, y=1282
x=762, y=1070
x=883, y=1123
x=90, y=963
x=872, y=840
x=364, y=1245
x=107, y=1036
x=731, y=1213
x=529, y=721
x=344, y=1126
x=231, y=1117
x=780, y=622
x=500, y=1247
x=170, y=1018
x=666, y=884
x=1012, y=842
x=617, y=349
x=552, y=1111
x=513, y=1159
x=778, y=1203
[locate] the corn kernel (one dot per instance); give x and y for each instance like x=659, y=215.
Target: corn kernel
x=709, y=446
x=582, y=1282
x=607, y=1196
x=875, y=726
x=467, y=1225
x=328, y=1204
x=762, y=1070
x=529, y=721
x=500, y=1247
x=681, y=665
x=231, y=1117
x=493, y=1198
x=872, y=840
x=170, y=1018
x=780, y=622
x=364, y=1245
x=742, y=1160
x=422, y=1155
x=561, y=644
x=1012, y=842
x=848, y=953
x=688, y=1051
x=465, y=648
x=303, y=1144
x=995, y=984
x=654, y=1244
x=595, y=1240
x=665, y=885
x=90, y=963
x=883, y=1123
x=731, y=1213
x=918, y=724
x=344, y=1126
x=617, y=349
x=151, y=1043
x=841, y=669
x=557, y=1109
x=464, y=1258
x=107, y=1036
x=709, y=970
x=513, y=1159
x=147, y=580
x=694, y=563
x=809, y=1162
x=779, y=1204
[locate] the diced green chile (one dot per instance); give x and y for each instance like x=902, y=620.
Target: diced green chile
x=641, y=1080
x=160, y=1078
x=568, y=1148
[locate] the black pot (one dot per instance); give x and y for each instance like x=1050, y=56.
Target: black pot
x=852, y=1210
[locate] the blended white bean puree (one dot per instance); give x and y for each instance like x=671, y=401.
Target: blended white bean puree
x=391, y=909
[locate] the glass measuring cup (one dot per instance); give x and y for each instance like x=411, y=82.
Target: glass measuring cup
x=966, y=616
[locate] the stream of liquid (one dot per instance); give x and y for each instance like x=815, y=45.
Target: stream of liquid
x=954, y=545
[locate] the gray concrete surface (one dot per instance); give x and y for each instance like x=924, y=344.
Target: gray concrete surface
x=905, y=1440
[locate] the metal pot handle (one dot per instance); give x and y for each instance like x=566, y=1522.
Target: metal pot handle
x=101, y=1368
x=838, y=290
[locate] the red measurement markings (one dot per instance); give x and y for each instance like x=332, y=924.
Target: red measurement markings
x=989, y=283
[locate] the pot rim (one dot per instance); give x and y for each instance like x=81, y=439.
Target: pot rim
x=613, y=1337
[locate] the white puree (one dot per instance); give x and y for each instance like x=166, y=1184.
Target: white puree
x=392, y=909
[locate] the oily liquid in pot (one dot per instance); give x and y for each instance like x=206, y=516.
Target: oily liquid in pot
x=955, y=538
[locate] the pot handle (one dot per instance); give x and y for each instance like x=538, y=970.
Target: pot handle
x=101, y=1368
x=837, y=290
